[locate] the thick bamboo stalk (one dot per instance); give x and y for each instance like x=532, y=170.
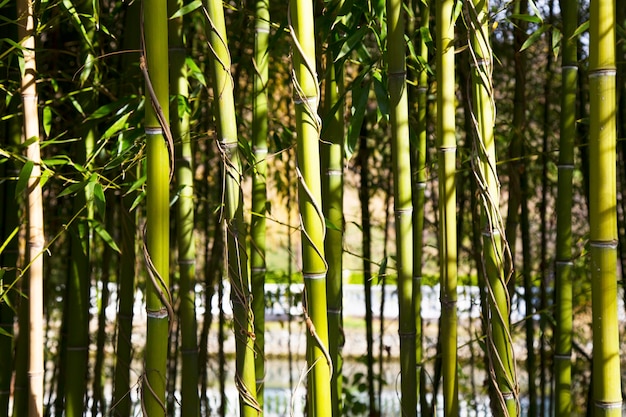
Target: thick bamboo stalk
x=157, y=250
x=446, y=150
x=499, y=340
x=564, y=261
x=220, y=64
x=259, y=188
x=26, y=35
x=607, y=398
x=314, y=270
x=403, y=205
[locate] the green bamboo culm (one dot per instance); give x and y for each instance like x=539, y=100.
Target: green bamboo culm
x=607, y=397
x=220, y=64
x=180, y=113
x=314, y=268
x=419, y=197
x=499, y=341
x=35, y=239
x=332, y=190
x=403, y=205
x=259, y=187
x=564, y=261
x=446, y=151
x=128, y=249
x=155, y=63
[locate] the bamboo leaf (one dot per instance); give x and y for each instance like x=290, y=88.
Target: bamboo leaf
x=556, y=41
x=137, y=200
x=101, y=231
x=382, y=95
x=534, y=37
x=116, y=127
x=526, y=18
x=99, y=199
x=581, y=29
x=22, y=179
x=352, y=42
x=360, y=94
x=195, y=71
x=534, y=8
x=74, y=188
x=187, y=9
x=47, y=120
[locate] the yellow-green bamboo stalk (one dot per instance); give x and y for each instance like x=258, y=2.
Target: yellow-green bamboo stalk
x=403, y=205
x=314, y=270
x=564, y=261
x=607, y=397
x=446, y=150
x=332, y=186
x=233, y=210
x=158, y=303
x=259, y=192
x=499, y=341
x=190, y=404
x=26, y=35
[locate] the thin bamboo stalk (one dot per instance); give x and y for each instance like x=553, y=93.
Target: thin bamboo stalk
x=259, y=188
x=332, y=187
x=446, y=150
x=36, y=239
x=10, y=225
x=220, y=64
x=564, y=261
x=157, y=250
x=180, y=122
x=607, y=398
x=314, y=268
x=419, y=195
x=121, y=401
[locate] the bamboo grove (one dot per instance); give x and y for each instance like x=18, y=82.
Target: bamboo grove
x=326, y=208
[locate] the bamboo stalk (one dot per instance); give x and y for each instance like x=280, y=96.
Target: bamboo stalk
x=446, y=149
x=403, y=206
x=190, y=404
x=157, y=251
x=36, y=239
x=314, y=268
x=220, y=64
x=332, y=187
x=259, y=188
x=419, y=195
x=607, y=398
x=564, y=261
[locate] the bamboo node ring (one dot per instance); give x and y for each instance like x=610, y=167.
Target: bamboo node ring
x=314, y=276
x=608, y=405
x=603, y=244
x=153, y=130
x=157, y=314
x=606, y=72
